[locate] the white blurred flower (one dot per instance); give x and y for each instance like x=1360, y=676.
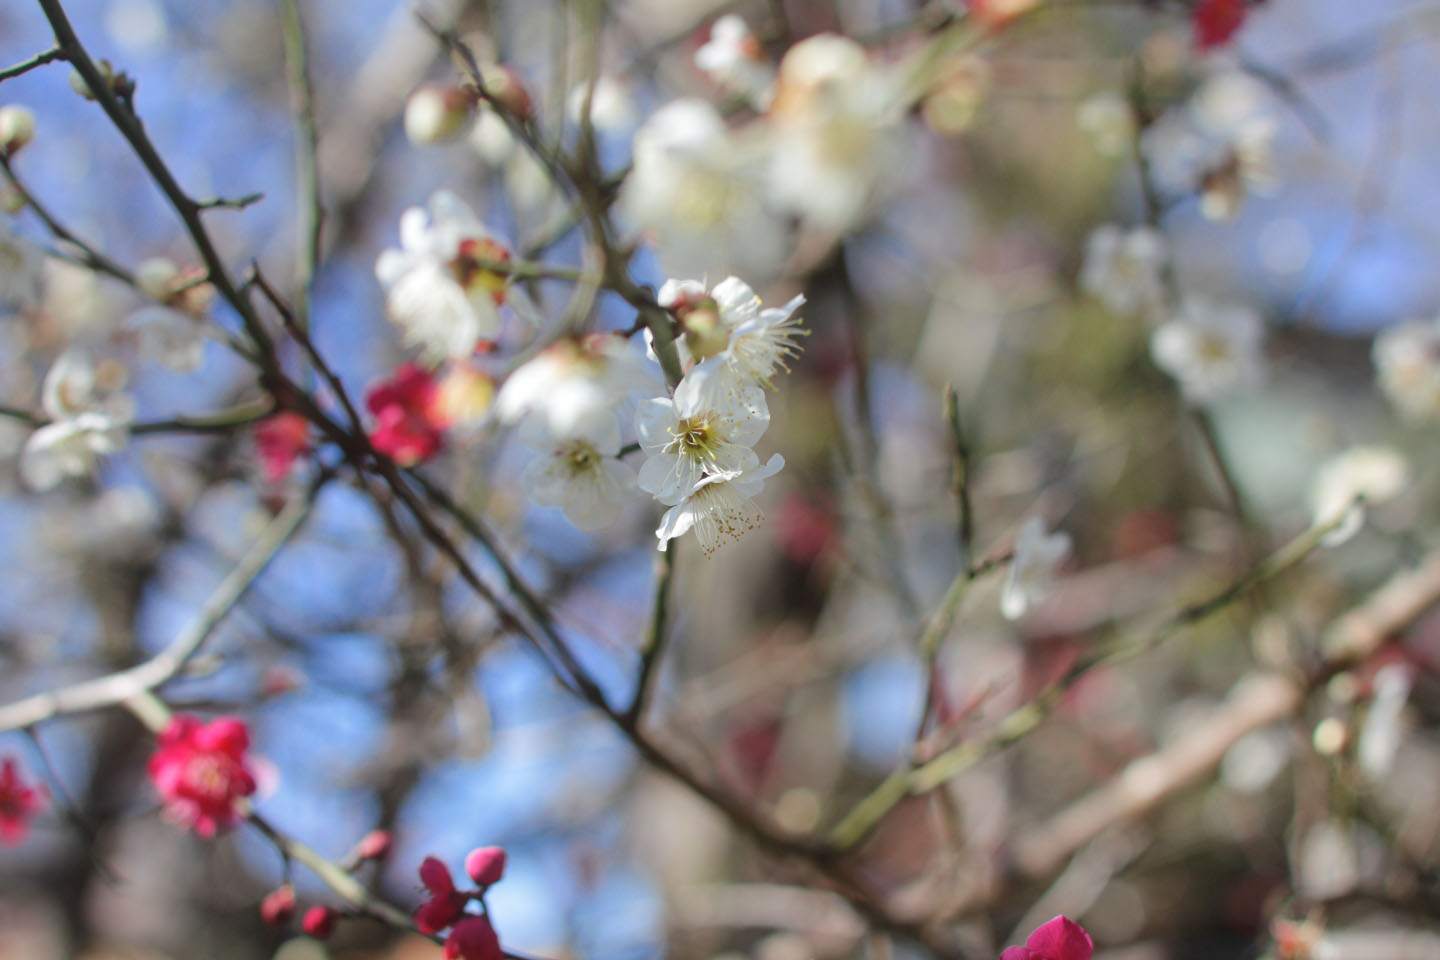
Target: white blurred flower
x=1381, y=734
x=612, y=109
x=1032, y=570
x=1221, y=147
x=697, y=433
x=732, y=58
x=834, y=121
x=1350, y=481
x=17, y=128
x=436, y=289
x=1407, y=367
x=1123, y=268
x=490, y=136
x=573, y=385
x=720, y=509
x=1107, y=118
x=1210, y=349
x=579, y=474
x=695, y=191
x=169, y=338
x=84, y=425
x=436, y=113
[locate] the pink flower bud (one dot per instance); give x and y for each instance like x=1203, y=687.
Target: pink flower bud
x=319, y=922
x=436, y=113
x=278, y=906
x=486, y=865
x=373, y=845
x=504, y=87
x=17, y=128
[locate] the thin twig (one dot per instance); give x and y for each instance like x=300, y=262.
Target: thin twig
x=39, y=60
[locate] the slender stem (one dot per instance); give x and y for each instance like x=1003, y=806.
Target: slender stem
x=654, y=648
x=307, y=164
x=39, y=60
x=89, y=256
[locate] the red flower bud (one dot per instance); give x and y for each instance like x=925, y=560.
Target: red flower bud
x=278, y=906
x=486, y=865
x=319, y=922
x=373, y=845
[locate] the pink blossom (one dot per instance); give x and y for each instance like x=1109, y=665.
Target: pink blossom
x=18, y=801
x=278, y=906
x=408, y=425
x=1216, y=21
x=446, y=904
x=319, y=922
x=1057, y=939
x=279, y=440
x=201, y=773
x=473, y=939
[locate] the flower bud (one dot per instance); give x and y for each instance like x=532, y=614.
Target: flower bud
x=373, y=845
x=485, y=865
x=278, y=906
x=156, y=277
x=436, y=113
x=504, y=87
x=78, y=84
x=17, y=128
x=319, y=922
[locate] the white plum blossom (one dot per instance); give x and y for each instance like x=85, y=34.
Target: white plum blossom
x=436, y=289
x=721, y=508
x=697, y=432
x=1407, y=368
x=1211, y=349
x=84, y=425
x=835, y=127
x=1221, y=147
x=694, y=190
x=732, y=58
x=1031, y=575
x=1123, y=268
x=730, y=331
x=575, y=383
x=580, y=474
x=1348, y=482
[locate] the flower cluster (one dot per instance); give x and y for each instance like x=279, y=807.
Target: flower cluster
x=201, y=772
x=86, y=423
x=472, y=936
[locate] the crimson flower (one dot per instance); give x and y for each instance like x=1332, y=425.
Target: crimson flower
x=279, y=440
x=1216, y=21
x=200, y=771
x=319, y=922
x=1058, y=939
x=409, y=426
x=473, y=939
x=18, y=801
x=446, y=904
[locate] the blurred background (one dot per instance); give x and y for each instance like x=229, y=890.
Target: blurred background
x=382, y=692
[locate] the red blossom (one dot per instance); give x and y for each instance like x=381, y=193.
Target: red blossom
x=1216, y=21
x=201, y=773
x=1058, y=939
x=18, y=801
x=446, y=904
x=485, y=865
x=409, y=426
x=319, y=922
x=473, y=939
x=279, y=441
